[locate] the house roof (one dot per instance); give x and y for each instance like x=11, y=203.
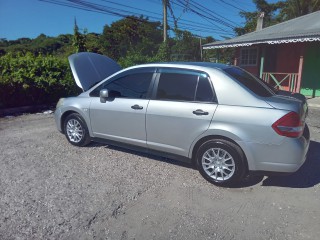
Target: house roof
x=302, y=29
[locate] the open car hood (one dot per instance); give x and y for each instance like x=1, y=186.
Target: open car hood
x=91, y=68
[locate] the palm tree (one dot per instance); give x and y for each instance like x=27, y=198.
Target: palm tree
x=297, y=8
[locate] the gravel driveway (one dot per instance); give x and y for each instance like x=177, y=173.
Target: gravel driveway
x=50, y=189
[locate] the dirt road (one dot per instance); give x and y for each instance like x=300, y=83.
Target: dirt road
x=50, y=189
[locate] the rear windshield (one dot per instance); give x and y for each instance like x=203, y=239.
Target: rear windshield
x=249, y=81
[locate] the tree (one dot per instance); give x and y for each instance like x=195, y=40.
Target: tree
x=93, y=43
x=44, y=45
x=276, y=12
x=79, y=40
x=297, y=8
x=131, y=34
x=163, y=54
x=186, y=47
x=133, y=58
x=270, y=16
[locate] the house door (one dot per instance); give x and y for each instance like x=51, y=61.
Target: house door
x=310, y=85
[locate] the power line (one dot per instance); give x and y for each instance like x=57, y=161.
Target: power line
x=207, y=14
x=93, y=7
x=199, y=14
x=215, y=13
x=228, y=3
x=242, y=3
x=143, y=10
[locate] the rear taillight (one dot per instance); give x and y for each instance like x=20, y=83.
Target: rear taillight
x=290, y=125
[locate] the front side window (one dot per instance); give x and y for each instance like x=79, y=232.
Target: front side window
x=248, y=56
x=133, y=85
x=130, y=86
x=184, y=86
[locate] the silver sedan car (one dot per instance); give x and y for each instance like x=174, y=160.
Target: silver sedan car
x=219, y=117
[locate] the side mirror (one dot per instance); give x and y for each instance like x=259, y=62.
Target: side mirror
x=104, y=94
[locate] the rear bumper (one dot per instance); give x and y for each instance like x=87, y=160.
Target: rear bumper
x=287, y=157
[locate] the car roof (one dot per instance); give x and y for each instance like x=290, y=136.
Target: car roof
x=185, y=64
x=89, y=68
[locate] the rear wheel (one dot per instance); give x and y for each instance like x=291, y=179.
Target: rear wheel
x=221, y=162
x=76, y=130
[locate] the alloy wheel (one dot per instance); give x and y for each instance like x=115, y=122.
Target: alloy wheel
x=74, y=130
x=218, y=164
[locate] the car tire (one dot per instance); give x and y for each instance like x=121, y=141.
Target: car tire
x=76, y=130
x=221, y=162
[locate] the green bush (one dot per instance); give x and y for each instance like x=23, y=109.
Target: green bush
x=134, y=58
x=31, y=80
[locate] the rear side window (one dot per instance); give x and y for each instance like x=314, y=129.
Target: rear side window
x=204, y=90
x=249, y=81
x=184, y=86
x=175, y=86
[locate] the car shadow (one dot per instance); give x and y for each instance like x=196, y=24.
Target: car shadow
x=248, y=181
x=307, y=176
x=143, y=154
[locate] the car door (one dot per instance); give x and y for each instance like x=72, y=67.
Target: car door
x=181, y=109
x=122, y=117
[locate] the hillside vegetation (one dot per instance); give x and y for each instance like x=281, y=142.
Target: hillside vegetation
x=36, y=71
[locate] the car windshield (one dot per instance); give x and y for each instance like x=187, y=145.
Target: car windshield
x=251, y=82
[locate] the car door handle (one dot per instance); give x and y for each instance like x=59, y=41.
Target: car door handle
x=200, y=112
x=136, y=107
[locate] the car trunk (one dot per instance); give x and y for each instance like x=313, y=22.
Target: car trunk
x=290, y=103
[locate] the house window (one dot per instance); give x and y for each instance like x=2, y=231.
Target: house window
x=249, y=56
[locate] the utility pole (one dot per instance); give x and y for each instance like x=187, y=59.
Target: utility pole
x=201, y=52
x=201, y=48
x=165, y=4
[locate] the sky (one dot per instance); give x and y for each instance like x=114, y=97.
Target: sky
x=30, y=18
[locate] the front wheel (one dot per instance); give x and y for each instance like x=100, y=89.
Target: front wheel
x=221, y=162
x=76, y=130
